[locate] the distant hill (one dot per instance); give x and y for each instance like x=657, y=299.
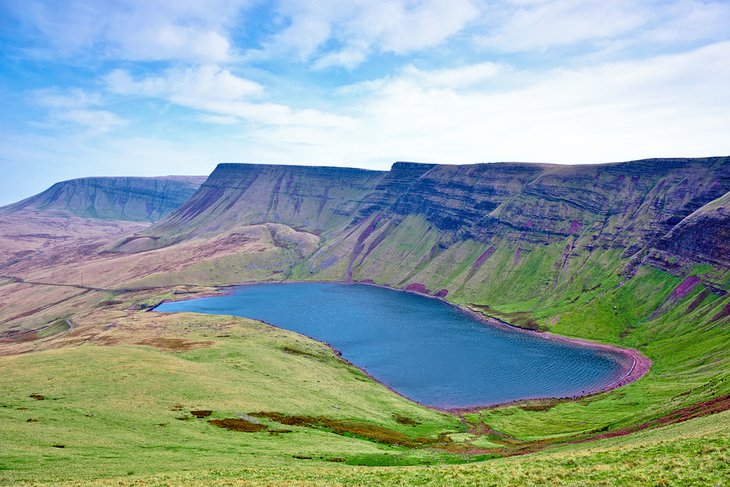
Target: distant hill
x=113, y=198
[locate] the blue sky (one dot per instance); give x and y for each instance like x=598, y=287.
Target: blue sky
x=153, y=87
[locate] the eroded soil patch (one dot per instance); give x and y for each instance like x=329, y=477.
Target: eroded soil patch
x=359, y=429
x=405, y=420
x=201, y=413
x=295, y=351
x=238, y=424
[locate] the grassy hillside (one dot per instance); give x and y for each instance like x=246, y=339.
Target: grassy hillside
x=115, y=401
x=97, y=387
x=692, y=453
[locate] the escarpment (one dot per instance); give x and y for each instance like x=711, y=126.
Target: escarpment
x=466, y=228
x=113, y=198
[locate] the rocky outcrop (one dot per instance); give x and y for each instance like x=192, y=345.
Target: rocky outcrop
x=113, y=198
x=703, y=237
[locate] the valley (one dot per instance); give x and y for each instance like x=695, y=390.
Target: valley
x=629, y=254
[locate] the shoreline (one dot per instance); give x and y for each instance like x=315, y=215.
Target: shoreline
x=633, y=363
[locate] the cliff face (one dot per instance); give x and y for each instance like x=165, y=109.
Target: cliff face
x=703, y=237
x=476, y=230
x=616, y=203
x=114, y=198
x=315, y=199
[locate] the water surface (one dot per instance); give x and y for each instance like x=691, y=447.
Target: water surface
x=423, y=348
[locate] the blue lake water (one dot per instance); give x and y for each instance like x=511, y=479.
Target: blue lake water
x=423, y=348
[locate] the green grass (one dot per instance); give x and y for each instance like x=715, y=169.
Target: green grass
x=115, y=408
x=692, y=453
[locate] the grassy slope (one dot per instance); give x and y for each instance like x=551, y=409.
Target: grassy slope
x=587, y=298
x=107, y=404
x=115, y=408
x=129, y=390
x=691, y=453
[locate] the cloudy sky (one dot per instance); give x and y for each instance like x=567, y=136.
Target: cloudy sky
x=151, y=87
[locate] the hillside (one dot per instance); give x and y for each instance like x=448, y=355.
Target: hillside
x=633, y=254
x=471, y=219
x=113, y=198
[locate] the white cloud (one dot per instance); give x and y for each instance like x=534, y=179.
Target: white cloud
x=349, y=57
x=468, y=76
x=689, y=20
x=673, y=105
x=335, y=33
x=185, y=30
x=219, y=92
x=186, y=86
x=64, y=99
x=95, y=121
x=77, y=107
x=539, y=25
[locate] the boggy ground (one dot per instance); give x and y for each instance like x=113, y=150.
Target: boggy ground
x=97, y=388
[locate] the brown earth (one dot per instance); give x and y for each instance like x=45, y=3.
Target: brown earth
x=201, y=413
x=238, y=424
x=371, y=432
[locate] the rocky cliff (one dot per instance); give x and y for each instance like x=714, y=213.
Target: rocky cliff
x=476, y=232
x=113, y=198
x=315, y=199
x=703, y=237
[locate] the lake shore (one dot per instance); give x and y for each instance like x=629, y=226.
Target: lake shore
x=633, y=365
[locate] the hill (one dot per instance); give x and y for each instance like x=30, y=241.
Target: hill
x=634, y=254
x=113, y=198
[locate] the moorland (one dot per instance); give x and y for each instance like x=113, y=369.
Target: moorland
x=99, y=387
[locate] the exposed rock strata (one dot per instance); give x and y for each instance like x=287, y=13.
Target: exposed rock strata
x=473, y=230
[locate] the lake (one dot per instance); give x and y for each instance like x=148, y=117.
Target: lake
x=421, y=347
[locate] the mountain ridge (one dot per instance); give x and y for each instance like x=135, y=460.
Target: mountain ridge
x=113, y=198
x=630, y=206
x=633, y=255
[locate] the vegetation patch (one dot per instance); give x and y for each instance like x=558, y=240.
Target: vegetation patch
x=296, y=351
x=201, y=413
x=545, y=405
x=400, y=419
x=356, y=429
x=238, y=424
x=521, y=319
x=173, y=344
x=280, y=431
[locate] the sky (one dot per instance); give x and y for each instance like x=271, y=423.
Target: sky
x=156, y=87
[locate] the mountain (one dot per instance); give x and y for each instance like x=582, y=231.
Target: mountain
x=449, y=228
x=113, y=198
x=313, y=198
x=703, y=237
x=632, y=254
